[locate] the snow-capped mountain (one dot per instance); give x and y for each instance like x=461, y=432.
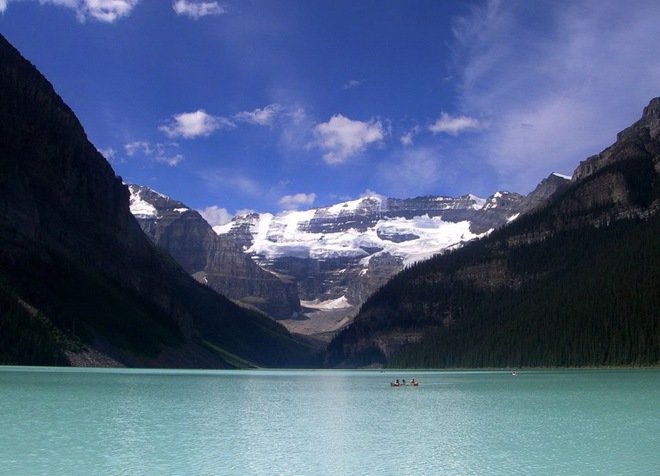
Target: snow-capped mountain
x=211, y=259
x=328, y=260
x=411, y=229
x=341, y=253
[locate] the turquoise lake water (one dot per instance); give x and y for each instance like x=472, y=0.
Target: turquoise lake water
x=144, y=422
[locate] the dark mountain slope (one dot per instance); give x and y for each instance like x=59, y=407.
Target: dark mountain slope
x=75, y=267
x=575, y=282
x=215, y=260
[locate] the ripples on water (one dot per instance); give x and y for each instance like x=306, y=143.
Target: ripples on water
x=81, y=422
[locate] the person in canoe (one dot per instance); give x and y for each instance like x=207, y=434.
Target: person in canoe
x=395, y=383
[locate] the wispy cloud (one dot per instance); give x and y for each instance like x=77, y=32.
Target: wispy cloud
x=165, y=153
x=296, y=131
x=197, y=9
x=454, y=125
x=190, y=125
x=215, y=215
x=262, y=117
x=107, y=11
x=171, y=159
x=414, y=171
x=293, y=202
x=353, y=83
x=556, y=81
x=223, y=180
x=342, y=138
x=133, y=148
x=407, y=138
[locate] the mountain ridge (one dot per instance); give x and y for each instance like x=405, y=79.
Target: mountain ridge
x=336, y=255
x=211, y=259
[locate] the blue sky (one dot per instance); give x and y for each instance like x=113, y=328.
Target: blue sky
x=270, y=105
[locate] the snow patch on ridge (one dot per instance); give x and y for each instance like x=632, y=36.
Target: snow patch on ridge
x=141, y=208
x=353, y=205
x=339, y=303
x=223, y=229
x=286, y=235
x=557, y=174
x=478, y=202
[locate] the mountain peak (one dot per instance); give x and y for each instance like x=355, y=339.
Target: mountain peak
x=650, y=121
x=543, y=191
x=653, y=109
x=147, y=203
x=634, y=142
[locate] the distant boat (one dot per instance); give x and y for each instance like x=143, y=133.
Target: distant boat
x=514, y=373
x=412, y=383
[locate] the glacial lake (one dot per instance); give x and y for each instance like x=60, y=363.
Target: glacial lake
x=146, y=422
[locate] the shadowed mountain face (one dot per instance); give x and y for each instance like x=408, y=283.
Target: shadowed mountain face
x=573, y=282
x=212, y=259
x=78, y=277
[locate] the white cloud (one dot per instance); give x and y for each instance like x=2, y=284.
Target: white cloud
x=107, y=11
x=215, y=215
x=161, y=153
x=261, y=117
x=407, y=138
x=197, y=9
x=556, y=81
x=454, y=125
x=190, y=125
x=343, y=138
x=293, y=202
x=3, y=6
x=171, y=160
x=133, y=148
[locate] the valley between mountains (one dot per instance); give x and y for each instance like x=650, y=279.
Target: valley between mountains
x=94, y=272
x=312, y=270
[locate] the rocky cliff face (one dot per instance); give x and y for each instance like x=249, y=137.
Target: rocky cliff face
x=638, y=140
x=545, y=190
x=73, y=256
x=214, y=260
